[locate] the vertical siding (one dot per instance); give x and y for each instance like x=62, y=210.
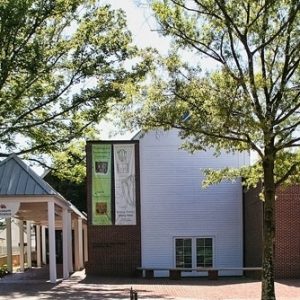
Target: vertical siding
x=174, y=205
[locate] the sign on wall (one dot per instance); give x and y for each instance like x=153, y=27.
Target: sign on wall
x=101, y=184
x=124, y=171
x=8, y=210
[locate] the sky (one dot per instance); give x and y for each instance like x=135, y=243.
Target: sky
x=142, y=26
x=141, y=23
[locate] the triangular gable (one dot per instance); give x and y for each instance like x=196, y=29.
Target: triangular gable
x=16, y=178
x=137, y=136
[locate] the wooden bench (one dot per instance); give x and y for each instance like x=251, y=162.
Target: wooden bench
x=175, y=273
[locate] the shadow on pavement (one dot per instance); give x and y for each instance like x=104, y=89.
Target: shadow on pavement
x=62, y=292
x=199, y=281
x=32, y=285
x=289, y=282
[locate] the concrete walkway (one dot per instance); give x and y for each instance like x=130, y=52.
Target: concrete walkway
x=33, y=285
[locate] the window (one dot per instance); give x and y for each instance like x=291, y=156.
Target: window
x=183, y=253
x=194, y=252
x=204, y=252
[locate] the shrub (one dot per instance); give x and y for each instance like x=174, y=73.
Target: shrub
x=3, y=271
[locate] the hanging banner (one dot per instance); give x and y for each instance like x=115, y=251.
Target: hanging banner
x=101, y=184
x=8, y=209
x=125, y=196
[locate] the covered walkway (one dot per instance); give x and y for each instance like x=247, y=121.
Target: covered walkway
x=33, y=275
x=26, y=197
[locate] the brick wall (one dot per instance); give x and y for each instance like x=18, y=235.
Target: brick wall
x=114, y=250
x=287, y=250
x=253, y=220
x=287, y=237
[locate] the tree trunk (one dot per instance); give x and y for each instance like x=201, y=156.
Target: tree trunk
x=268, y=290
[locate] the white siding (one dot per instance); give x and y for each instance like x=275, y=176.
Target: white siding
x=173, y=204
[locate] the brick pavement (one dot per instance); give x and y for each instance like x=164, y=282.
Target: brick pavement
x=32, y=285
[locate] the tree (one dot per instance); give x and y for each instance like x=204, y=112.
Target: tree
x=72, y=191
x=61, y=64
x=249, y=98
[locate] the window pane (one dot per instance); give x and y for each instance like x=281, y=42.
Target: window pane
x=188, y=243
x=204, y=252
x=188, y=251
x=200, y=243
x=200, y=251
x=188, y=260
x=200, y=259
x=208, y=252
x=208, y=262
x=179, y=262
x=183, y=253
x=179, y=242
x=179, y=250
x=208, y=242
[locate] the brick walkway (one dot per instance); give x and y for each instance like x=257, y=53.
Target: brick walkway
x=32, y=285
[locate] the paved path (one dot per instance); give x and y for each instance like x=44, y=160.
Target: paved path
x=32, y=285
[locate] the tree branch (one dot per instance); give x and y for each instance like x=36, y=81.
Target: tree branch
x=58, y=141
x=282, y=116
x=263, y=61
x=290, y=172
x=202, y=12
x=289, y=144
x=290, y=19
x=179, y=33
x=43, y=164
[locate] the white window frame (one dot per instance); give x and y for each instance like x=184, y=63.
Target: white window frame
x=212, y=248
x=192, y=254
x=194, y=249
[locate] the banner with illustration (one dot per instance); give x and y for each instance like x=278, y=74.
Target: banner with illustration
x=101, y=184
x=124, y=171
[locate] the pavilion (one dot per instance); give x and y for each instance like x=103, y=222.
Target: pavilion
x=26, y=197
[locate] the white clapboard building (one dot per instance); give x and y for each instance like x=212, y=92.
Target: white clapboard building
x=182, y=224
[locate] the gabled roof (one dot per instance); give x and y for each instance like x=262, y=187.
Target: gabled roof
x=16, y=178
x=137, y=135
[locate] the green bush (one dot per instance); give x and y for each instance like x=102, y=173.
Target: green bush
x=3, y=271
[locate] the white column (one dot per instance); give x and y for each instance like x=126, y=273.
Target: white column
x=65, y=244
x=44, y=258
x=28, y=230
x=21, y=247
x=38, y=246
x=70, y=242
x=51, y=237
x=76, y=245
x=80, y=244
x=8, y=244
x=85, y=243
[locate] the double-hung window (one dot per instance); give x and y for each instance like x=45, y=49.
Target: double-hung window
x=194, y=252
